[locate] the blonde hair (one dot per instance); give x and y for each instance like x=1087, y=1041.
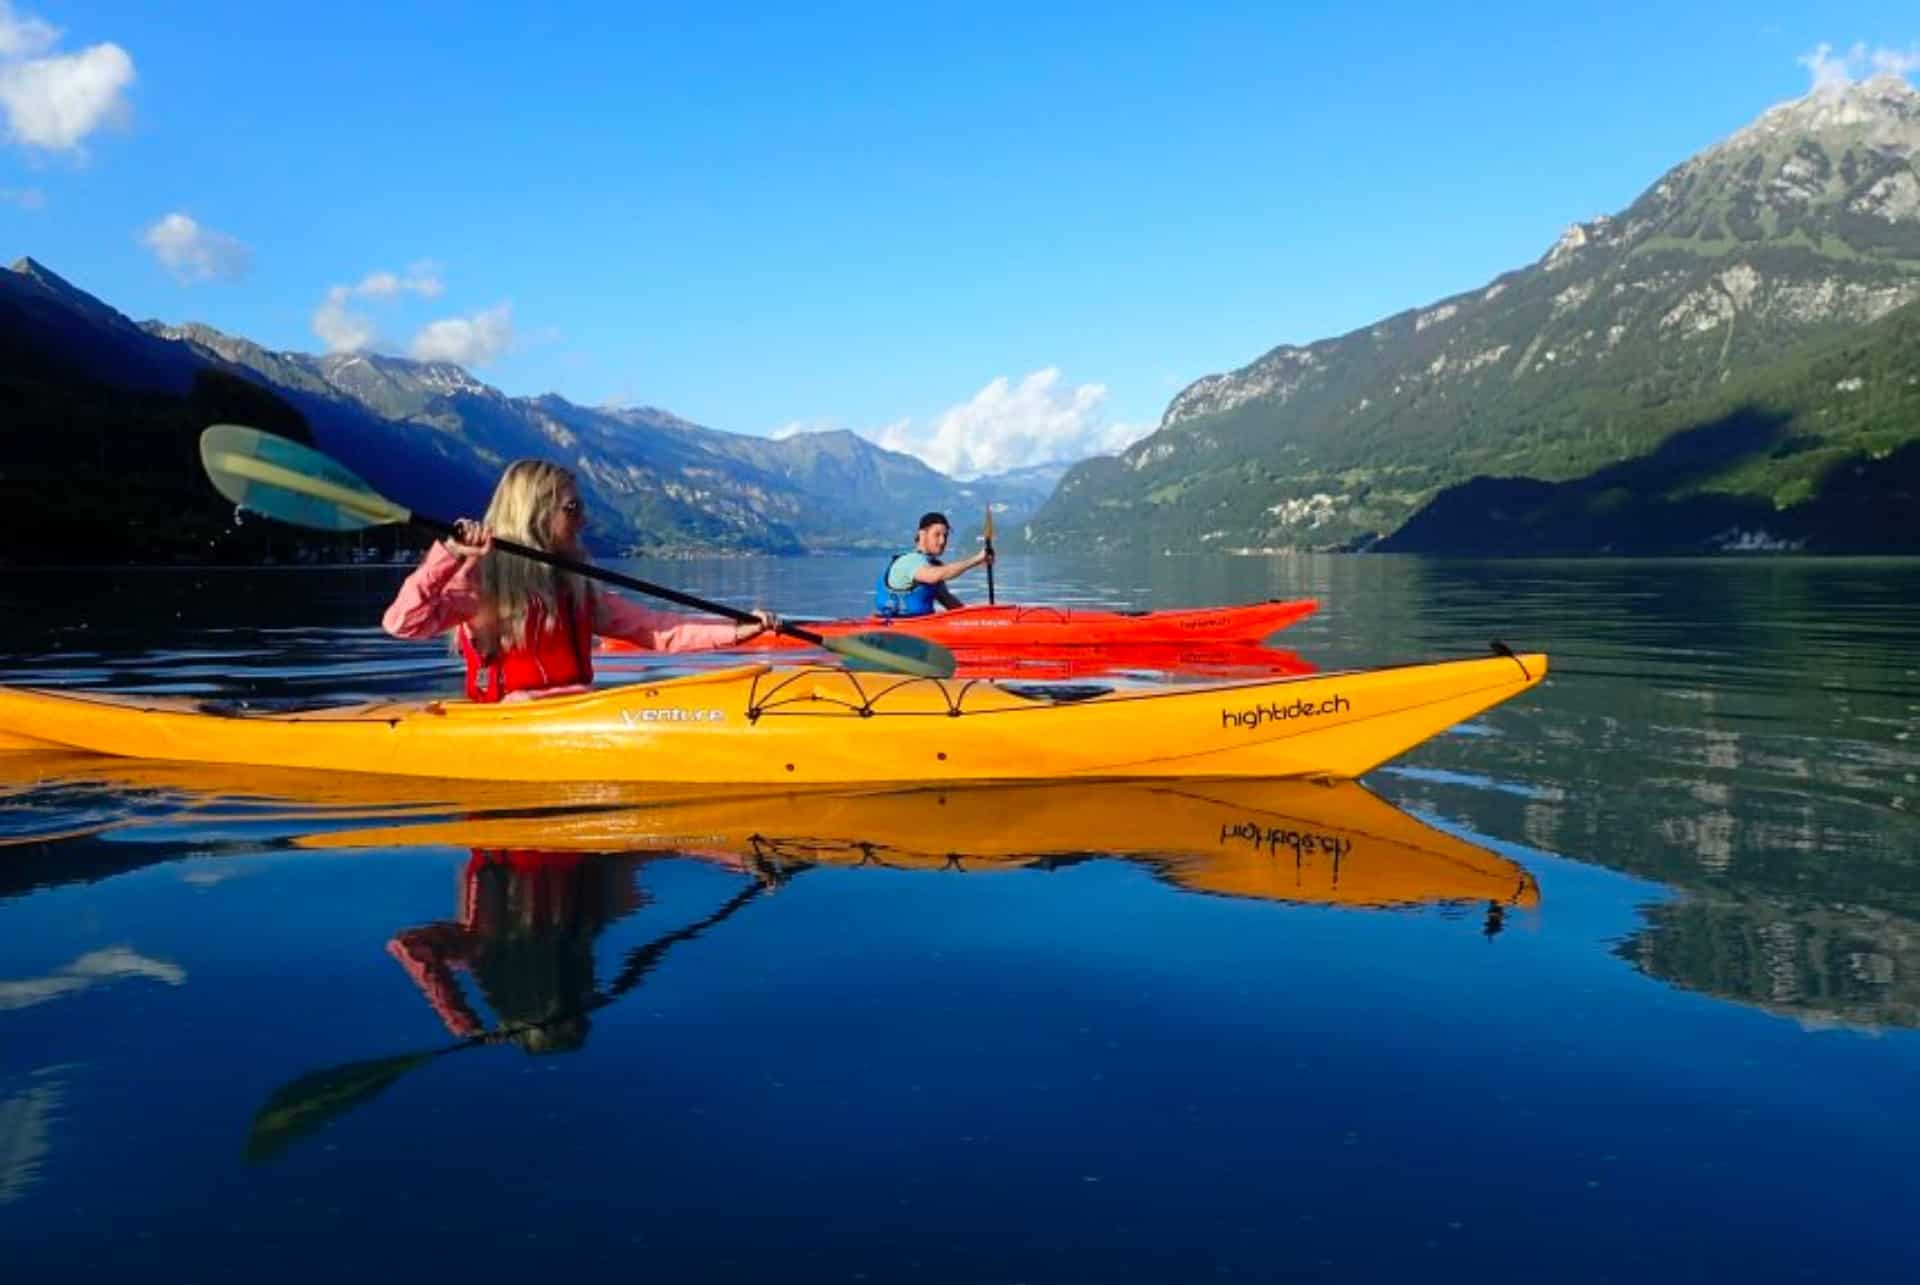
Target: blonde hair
x=524, y=503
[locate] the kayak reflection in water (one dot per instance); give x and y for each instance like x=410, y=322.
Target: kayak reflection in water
x=525, y=933
x=525, y=628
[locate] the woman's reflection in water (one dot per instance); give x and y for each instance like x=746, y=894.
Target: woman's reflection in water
x=525, y=933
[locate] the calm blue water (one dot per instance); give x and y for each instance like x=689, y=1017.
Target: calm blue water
x=226, y=1053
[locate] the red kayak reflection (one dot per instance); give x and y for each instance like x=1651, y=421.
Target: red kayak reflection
x=1052, y=663
x=1046, y=625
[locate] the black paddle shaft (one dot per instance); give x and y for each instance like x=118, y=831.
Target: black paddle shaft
x=439, y=527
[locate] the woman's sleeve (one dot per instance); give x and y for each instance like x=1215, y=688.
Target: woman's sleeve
x=436, y=597
x=428, y=954
x=615, y=617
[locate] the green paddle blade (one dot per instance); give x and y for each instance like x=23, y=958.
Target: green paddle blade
x=891, y=653
x=283, y=479
x=314, y=1101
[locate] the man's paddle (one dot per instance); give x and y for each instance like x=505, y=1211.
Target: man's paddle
x=282, y=479
x=989, y=543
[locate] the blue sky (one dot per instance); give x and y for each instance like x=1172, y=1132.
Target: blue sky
x=988, y=233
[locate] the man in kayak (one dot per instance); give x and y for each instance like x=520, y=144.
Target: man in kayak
x=526, y=629
x=914, y=583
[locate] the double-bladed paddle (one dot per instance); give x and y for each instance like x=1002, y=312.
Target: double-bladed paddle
x=282, y=479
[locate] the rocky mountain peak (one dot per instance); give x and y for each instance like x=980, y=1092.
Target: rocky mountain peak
x=1577, y=237
x=1882, y=111
x=1837, y=163
x=196, y=332
x=52, y=285
x=27, y=266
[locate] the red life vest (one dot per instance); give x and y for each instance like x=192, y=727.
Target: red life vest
x=560, y=657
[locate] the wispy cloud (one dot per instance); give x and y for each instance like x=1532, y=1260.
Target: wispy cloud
x=24, y=35
x=343, y=329
x=53, y=101
x=1833, y=71
x=422, y=278
x=91, y=969
x=192, y=252
x=466, y=341
x=340, y=328
x=1015, y=424
x=26, y=1120
x=795, y=427
x=27, y=198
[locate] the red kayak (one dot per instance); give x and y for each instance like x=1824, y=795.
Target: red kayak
x=1008, y=626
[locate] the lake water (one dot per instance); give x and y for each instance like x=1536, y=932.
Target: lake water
x=1628, y=992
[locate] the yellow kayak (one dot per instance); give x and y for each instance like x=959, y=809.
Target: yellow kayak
x=811, y=726
x=1293, y=841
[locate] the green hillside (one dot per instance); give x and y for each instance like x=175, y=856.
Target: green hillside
x=1720, y=285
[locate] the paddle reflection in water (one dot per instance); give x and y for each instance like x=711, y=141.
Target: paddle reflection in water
x=527, y=925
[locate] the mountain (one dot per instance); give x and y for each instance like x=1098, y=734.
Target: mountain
x=101, y=463
x=1022, y=489
x=654, y=481
x=100, y=460
x=1797, y=231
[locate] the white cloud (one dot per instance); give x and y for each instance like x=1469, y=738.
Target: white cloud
x=27, y=198
x=422, y=278
x=24, y=36
x=342, y=329
x=1007, y=425
x=1115, y=438
x=1832, y=72
x=1899, y=62
x=465, y=341
x=193, y=252
x=54, y=102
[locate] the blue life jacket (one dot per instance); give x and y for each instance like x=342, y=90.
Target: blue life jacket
x=917, y=601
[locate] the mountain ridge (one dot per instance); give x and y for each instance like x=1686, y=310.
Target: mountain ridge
x=1792, y=232
x=705, y=486
x=428, y=433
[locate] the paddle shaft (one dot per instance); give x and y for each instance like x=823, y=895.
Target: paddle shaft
x=989, y=545
x=634, y=583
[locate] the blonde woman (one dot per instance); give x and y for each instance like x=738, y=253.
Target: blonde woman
x=524, y=628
